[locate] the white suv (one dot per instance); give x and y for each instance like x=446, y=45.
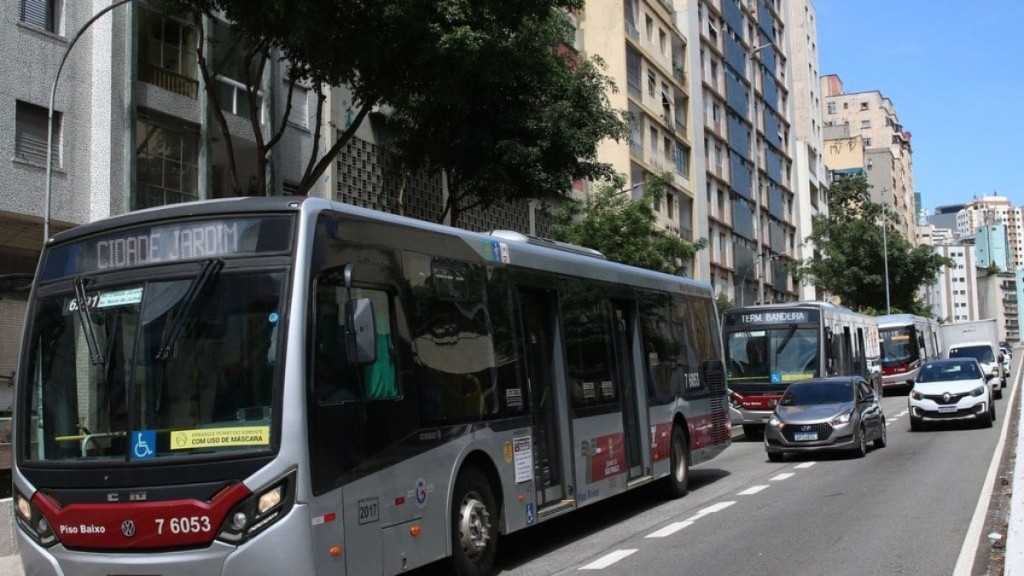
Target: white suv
x=949, y=390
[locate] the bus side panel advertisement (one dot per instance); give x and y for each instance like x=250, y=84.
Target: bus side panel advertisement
x=661, y=438
x=606, y=457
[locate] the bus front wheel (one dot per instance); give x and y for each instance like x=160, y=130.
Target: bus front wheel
x=678, y=479
x=474, y=525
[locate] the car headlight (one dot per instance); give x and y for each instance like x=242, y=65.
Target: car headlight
x=774, y=422
x=980, y=390
x=841, y=419
x=916, y=395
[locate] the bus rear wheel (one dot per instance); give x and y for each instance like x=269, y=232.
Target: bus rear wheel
x=678, y=480
x=474, y=525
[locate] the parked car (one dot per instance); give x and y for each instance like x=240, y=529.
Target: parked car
x=1006, y=349
x=838, y=413
x=953, y=389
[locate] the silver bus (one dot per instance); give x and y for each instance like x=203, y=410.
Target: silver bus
x=907, y=342
x=296, y=386
x=768, y=347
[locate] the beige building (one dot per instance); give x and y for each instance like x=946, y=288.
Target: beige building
x=888, y=162
x=989, y=211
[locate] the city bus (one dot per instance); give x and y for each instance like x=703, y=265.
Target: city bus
x=907, y=341
x=286, y=385
x=769, y=346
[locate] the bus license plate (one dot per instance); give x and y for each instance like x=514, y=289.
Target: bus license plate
x=947, y=409
x=805, y=436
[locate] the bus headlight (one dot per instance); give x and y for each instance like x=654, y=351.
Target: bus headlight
x=32, y=521
x=257, y=512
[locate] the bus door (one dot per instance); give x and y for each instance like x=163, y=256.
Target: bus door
x=540, y=325
x=633, y=419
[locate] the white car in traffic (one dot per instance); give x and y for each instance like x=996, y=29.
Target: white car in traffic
x=950, y=390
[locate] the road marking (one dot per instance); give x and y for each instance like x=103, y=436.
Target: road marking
x=670, y=529
x=783, y=476
x=805, y=465
x=752, y=490
x=714, y=508
x=608, y=560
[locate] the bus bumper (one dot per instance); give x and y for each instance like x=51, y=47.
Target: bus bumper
x=271, y=552
x=742, y=416
x=901, y=379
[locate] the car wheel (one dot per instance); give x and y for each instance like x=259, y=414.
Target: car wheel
x=776, y=456
x=753, y=431
x=677, y=482
x=992, y=410
x=999, y=394
x=881, y=440
x=474, y=525
x=861, y=449
x=916, y=425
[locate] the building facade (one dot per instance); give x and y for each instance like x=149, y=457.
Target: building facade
x=988, y=211
x=954, y=295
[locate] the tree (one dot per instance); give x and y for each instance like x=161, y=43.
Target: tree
x=723, y=304
x=851, y=252
x=479, y=90
x=624, y=229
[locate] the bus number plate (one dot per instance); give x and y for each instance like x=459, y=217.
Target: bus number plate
x=805, y=436
x=369, y=510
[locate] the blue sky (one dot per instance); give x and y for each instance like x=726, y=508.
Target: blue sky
x=954, y=70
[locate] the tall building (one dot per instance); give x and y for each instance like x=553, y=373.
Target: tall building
x=645, y=51
x=810, y=182
x=742, y=129
x=992, y=247
x=990, y=211
x=997, y=298
x=954, y=295
x=888, y=161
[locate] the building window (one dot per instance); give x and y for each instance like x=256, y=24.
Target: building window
x=652, y=84
x=167, y=162
x=863, y=105
x=41, y=14
x=682, y=158
x=670, y=204
x=649, y=24
x=831, y=107
x=299, y=113
x=867, y=144
x=30, y=134
x=865, y=124
x=167, y=54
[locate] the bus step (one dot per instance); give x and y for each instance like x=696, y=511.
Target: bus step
x=639, y=482
x=557, y=509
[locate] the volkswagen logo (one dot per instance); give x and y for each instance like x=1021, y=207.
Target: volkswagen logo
x=128, y=528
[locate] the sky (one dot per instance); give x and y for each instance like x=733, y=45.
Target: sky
x=954, y=70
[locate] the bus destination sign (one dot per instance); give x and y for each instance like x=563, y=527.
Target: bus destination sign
x=166, y=243
x=772, y=317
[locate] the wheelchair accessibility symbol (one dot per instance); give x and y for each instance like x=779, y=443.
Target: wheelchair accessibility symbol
x=143, y=444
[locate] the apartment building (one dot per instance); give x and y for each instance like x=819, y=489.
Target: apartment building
x=997, y=298
x=645, y=52
x=987, y=211
x=888, y=160
x=810, y=182
x=954, y=295
x=742, y=129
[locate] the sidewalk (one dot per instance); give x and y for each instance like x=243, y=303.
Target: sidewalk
x=1013, y=561
x=11, y=566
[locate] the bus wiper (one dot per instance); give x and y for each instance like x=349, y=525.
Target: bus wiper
x=210, y=269
x=85, y=317
x=785, y=341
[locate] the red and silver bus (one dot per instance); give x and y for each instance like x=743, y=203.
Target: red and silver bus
x=907, y=342
x=770, y=346
x=298, y=386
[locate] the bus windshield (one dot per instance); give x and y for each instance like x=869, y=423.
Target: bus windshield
x=898, y=345
x=776, y=355
x=153, y=369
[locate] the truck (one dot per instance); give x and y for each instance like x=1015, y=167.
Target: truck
x=978, y=339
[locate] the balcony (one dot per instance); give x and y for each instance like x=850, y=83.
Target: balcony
x=170, y=81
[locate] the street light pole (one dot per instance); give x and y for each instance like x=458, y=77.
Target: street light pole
x=885, y=247
x=49, y=114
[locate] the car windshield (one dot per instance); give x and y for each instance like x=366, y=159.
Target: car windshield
x=808, y=393
x=979, y=353
x=153, y=369
x=944, y=371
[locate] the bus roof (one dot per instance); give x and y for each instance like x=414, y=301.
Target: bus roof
x=541, y=254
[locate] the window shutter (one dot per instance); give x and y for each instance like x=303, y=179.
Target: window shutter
x=30, y=134
x=38, y=13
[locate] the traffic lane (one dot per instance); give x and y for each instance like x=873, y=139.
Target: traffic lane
x=904, y=509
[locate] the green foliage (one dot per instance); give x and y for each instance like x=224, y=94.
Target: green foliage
x=624, y=229
x=852, y=252
x=723, y=304
x=478, y=89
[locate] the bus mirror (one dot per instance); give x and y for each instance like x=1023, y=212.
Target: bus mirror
x=361, y=336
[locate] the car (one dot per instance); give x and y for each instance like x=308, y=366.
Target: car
x=988, y=359
x=841, y=413
x=949, y=390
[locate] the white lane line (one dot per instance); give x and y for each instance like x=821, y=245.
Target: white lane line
x=752, y=490
x=783, y=476
x=713, y=508
x=608, y=559
x=805, y=465
x=670, y=529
